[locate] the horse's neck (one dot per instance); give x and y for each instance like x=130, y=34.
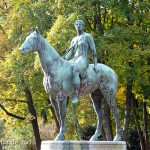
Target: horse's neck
x=48, y=56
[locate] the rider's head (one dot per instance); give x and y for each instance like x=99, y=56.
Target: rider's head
x=79, y=25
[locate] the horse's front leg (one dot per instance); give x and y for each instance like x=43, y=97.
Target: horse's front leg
x=62, y=114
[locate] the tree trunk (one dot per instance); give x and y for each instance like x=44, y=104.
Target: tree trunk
x=127, y=110
x=105, y=15
x=44, y=115
x=99, y=20
x=95, y=14
x=1, y=146
x=34, y=121
x=112, y=21
x=107, y=122
x=127, y=10
x=145, y=126
x=136, y=116
x=97, y=17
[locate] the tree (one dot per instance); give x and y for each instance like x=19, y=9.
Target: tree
x=121, y=33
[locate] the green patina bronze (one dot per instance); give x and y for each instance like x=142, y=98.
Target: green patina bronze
x=59, y=77
x=80, y=45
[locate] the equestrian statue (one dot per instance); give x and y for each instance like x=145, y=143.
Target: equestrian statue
x=74, y=77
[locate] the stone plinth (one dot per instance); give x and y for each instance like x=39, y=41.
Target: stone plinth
x=83, y=145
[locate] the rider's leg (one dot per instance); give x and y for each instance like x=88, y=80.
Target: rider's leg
x=76, y=84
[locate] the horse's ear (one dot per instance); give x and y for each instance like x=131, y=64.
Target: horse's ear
x=37, y=30
x=31, y=29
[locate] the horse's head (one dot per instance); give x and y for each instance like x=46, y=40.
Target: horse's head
x=31, y=43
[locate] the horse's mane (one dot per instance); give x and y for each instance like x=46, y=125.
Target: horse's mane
x=49, y=46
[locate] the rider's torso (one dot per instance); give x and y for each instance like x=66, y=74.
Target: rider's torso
x=81, y=46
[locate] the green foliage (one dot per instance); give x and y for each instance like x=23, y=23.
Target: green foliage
x=87, y=132
x=79, y=117
x=124, y=46
x=133, y=140
x=20, y=138
x=62, y=32
x=2, y=126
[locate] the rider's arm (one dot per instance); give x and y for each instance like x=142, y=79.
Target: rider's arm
x=93, y=49
x=70, y=51
x=69, y=54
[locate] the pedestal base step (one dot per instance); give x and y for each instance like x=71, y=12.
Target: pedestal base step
x=83, y=145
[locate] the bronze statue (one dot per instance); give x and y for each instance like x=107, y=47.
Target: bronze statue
x=80, y=45
x=58, y=79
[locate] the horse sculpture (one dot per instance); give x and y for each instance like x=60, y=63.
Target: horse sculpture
x=58, y=84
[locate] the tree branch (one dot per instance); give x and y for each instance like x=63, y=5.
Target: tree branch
x=14, y=100
x=10, y=114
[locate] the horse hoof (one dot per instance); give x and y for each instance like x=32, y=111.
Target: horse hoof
x=117, y=137
x=93, y=138
x=59, y=138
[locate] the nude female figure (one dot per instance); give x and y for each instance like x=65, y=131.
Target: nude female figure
x=80, y=46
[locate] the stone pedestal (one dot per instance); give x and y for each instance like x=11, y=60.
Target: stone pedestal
x=83, y=145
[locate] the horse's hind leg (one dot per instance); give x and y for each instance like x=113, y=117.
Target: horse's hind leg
x=110, y=96
x=96, y=97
